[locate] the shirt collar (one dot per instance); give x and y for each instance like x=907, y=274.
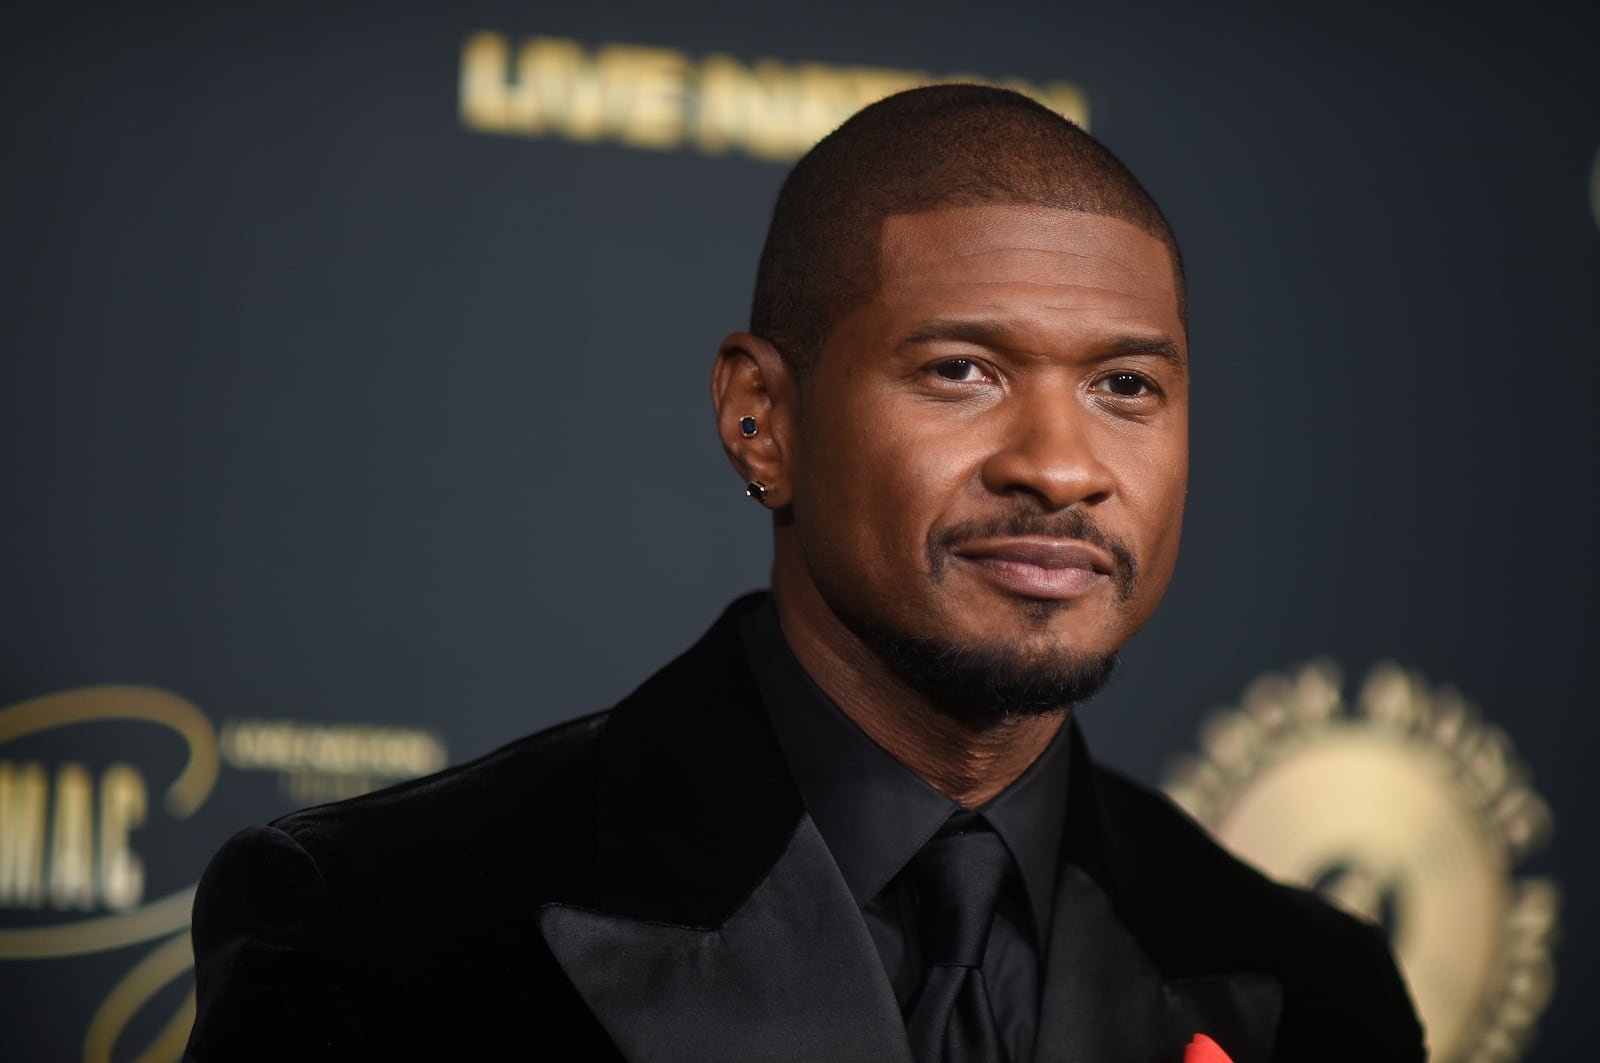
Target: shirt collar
x=873, y=811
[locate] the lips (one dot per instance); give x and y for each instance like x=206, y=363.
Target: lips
x=1040, y=568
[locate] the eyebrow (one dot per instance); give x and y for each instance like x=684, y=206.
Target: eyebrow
x=998, y=335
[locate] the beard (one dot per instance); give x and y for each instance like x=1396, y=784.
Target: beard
x=983, y=683
x=983, y=686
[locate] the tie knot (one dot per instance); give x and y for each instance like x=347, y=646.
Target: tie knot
x=959, y=876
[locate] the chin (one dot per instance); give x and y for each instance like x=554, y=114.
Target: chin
x=983, y=680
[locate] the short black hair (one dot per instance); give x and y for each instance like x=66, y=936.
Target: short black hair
x=919, y=150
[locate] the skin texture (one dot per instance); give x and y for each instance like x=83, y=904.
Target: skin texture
x=1018, y=370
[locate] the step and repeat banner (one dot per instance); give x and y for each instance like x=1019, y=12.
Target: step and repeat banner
x=353, y=421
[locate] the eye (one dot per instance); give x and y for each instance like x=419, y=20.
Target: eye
x=1125, y=385
x=963, y=370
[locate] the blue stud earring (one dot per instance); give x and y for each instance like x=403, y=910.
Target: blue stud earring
x=747, y=427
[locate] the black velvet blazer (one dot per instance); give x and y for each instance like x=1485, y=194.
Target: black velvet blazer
x=644, y=884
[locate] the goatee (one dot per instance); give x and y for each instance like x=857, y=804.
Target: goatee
x=985, y=685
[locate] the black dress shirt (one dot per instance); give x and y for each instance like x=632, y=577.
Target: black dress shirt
x=875, y=814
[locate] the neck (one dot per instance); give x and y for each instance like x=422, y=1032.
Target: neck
x=967, y=763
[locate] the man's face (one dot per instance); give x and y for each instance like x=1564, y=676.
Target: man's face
x=992, y=453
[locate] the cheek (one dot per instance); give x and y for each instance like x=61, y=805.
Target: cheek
x=881, y=477
x=1153, y=482
x=927, y=461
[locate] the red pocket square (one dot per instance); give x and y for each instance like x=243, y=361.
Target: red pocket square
x=1204, y=1050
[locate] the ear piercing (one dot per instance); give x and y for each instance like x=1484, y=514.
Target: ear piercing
x=754, y=488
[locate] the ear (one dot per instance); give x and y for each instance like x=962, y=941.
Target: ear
x=751, y=379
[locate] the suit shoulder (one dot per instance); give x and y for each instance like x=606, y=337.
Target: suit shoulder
x=1230, y=885
x=539, y=786
x=323, y=934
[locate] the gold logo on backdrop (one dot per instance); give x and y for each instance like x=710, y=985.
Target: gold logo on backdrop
x=66, y=834
x=661, y=98
x=1409, y=810
x=84, y=863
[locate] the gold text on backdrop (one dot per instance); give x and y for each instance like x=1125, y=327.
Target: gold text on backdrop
x=661, y=98
x=67, y=835
x=91, y=863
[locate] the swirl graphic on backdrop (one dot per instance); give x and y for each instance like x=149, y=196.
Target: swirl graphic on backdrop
x=69, y=872
x=1409, y=811
x=165, y=920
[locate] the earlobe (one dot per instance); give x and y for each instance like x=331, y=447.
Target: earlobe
x=752, y=393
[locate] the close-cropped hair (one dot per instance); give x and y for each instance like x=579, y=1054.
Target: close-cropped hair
x=920, y=150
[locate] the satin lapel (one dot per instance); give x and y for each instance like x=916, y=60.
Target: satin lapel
x=718, y=926
x=696, y=801
x=792, y=975
x=1136, y=966
x=1104, y=1000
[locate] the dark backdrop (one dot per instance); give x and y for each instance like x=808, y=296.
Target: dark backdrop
x=317, y=406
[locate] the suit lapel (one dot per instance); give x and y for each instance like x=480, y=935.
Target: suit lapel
x=1105, y=1001
x=718, y=926
x=1135, y=965
x=792, y=975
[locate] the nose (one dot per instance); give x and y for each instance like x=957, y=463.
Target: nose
x=1048, y=447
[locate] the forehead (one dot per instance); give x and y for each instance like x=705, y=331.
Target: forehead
x=977, y=257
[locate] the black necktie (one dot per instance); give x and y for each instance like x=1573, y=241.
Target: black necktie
x=958, y=877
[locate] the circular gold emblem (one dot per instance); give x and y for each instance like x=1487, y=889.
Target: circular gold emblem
x=1408, y=810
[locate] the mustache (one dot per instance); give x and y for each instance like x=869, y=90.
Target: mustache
x=1071, y=523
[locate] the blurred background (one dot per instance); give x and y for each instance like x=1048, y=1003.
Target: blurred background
x=354, y=420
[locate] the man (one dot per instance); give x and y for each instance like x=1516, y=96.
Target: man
x=854, y=822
